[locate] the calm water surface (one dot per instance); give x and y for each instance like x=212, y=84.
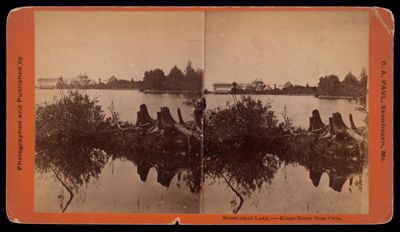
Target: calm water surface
x=119, y=188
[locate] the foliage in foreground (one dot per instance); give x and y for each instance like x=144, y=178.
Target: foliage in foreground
x=236, y=144
x=66, y=129
x=243, y=143
x=75, y=140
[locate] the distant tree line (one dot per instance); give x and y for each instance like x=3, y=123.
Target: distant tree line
x=328, y=85
x=350, y=86
x=114, y=83
x=189, y=80
x=176, y=80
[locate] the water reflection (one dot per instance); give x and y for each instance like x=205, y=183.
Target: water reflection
x=77, y=150
x=245, y=146
x=340, y=157
x=249, y=170
x=74, y=141
x=85, y=161
x=244, y=171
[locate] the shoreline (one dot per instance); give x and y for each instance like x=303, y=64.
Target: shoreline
x=167, y=91
x=124, y=89
x=212, y=93
x=339, y=97
x=84, y=89
x=295, y=95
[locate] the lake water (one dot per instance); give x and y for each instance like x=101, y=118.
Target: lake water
x=119, y=188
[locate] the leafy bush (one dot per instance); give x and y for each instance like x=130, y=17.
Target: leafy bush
x=235, y=138
x=246, y=117
x=66, y=139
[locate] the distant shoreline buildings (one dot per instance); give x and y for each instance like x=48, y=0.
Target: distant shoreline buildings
x=52, y=83
x=82, y=81
x=259, y=87
x=155, y=81
x=329, y=87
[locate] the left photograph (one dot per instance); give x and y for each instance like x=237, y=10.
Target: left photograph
x=118, y=111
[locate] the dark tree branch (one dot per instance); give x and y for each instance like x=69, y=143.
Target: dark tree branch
x=236, y=210
x=71, y=194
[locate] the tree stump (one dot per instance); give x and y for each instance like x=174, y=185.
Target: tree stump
x=198, y=117
x=353, y=126
x=143, y=117
x=315, y=121
x=338, y=123
x=166, y=117
x=180, y=117
x=338, y=127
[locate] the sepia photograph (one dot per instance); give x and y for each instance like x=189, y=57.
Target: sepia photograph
x=286, y=118
x=118, y=111
x=217, y=112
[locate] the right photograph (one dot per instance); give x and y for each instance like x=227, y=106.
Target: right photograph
x=286, y=118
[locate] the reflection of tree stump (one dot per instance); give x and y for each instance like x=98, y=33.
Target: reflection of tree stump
x=143, y=169
x=336, y=181
x=165, y=175
x=315, y=176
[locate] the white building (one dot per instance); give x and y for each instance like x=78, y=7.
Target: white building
x=222, y=87
x=47, y=83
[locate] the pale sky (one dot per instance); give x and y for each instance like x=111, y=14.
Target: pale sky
x=123, y=44
x=239, y=46
x=284, y=46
